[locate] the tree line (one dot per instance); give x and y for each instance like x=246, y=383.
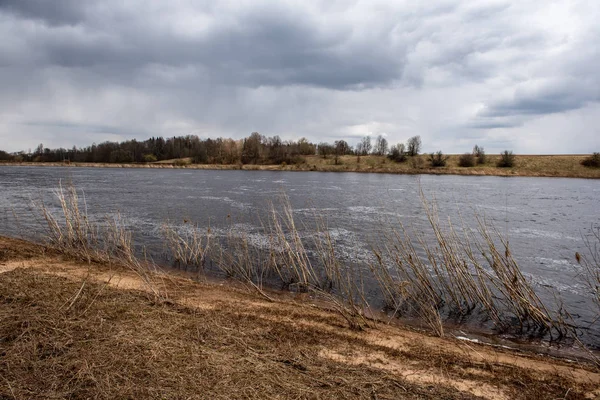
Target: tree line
x=254, y=149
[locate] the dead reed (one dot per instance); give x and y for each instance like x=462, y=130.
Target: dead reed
x=188, y=245
x=589, y=264
x=70, y=231
x=296, y=262
x=461, y=273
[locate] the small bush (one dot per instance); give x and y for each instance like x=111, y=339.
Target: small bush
x=479, y=153
x=507, y=159
x=437, y=159
x=149, y=158
x=398, y=154
x=180, y=162
x=592, y=161
x=466, y=160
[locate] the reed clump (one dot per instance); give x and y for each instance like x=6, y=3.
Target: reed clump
x=589, y=264
x=458, y=274
x=188, y=245
x=296, y=262
x=69, y=231
x=440, y=273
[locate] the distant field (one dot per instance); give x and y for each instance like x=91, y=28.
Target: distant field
x=568, y=166
x=525, y=165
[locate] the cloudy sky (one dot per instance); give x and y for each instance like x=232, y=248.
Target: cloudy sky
x=521, y=75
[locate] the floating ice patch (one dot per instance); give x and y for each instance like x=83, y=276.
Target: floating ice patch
x=364, y=209
x=227, y=200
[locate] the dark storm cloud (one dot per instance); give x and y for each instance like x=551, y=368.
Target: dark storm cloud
x=261, y=47
x=277, y=45
x=53, y=12
x=343, y=69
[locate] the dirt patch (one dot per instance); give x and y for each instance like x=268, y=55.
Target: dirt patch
x=69, y=330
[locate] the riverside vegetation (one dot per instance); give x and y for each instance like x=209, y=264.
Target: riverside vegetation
x=173, y=338
x=463, y=271
x=272, y=153
x=74, y=330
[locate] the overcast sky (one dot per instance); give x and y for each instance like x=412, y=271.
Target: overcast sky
x=521, y=75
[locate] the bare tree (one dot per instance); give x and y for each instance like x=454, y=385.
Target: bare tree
x=325, y=149
x=365, y=146
x=413, y=146
x=381, y=146
x=479, y=153
x=342, y=147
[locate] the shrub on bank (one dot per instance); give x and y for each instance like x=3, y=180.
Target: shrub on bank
x=437, y=159
x=149, y=158
x=466, y=160
x=398, y=153
x=479, y=153
x=507, y=160
x=592, y=161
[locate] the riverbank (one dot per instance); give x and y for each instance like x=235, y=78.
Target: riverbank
x=74, y=330
x=565, y=166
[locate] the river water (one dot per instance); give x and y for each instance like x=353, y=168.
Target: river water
x=546, y=220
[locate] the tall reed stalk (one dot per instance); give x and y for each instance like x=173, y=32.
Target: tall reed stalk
x=433, y=274
x=459, y=273
x=70, y=232
x=589, y=264
x=299, y=263
x=188, y=245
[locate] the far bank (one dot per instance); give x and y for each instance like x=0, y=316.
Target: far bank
x=563, y=166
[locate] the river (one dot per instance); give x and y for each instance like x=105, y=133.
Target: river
x=546, y=220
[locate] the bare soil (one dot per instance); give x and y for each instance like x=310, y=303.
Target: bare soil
x=72, y=330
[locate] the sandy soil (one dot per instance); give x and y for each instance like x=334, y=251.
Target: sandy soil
x=69, y=330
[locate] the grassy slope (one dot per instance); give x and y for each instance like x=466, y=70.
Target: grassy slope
x=71, y=331
x=526, y=165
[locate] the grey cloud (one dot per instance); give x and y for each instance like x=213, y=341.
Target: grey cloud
x=86, y=128
x=497, y=123
x=277, y=45
x=330, y=69
x=54, y=12
x=261, y=48
x=545, y=98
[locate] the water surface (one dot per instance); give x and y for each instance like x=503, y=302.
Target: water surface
x=544, y=219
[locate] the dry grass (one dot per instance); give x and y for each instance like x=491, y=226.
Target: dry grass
x=62, y=339
x=568, y=166
x=525, y=165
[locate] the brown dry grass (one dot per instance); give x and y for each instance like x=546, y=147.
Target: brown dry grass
x=567, y=166
x=525, y=165
x=71, y=331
